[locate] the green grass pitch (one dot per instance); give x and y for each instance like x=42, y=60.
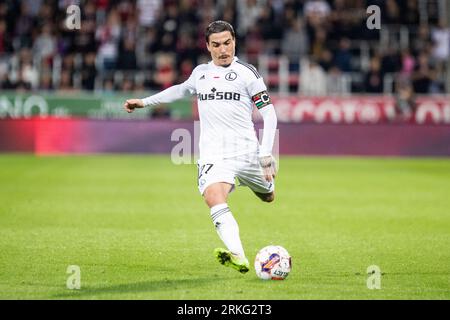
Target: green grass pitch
x=138, y=229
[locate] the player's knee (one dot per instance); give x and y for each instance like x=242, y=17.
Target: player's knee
x=214, y=196
x=267, y=197
x=270, y=197
x=211, y=198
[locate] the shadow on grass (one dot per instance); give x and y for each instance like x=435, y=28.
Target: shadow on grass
x=137, y=287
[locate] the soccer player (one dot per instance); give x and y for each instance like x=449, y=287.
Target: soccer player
x=226, y=90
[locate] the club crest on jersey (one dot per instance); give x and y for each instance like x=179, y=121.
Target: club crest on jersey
x=230, y=76
x=219, y=95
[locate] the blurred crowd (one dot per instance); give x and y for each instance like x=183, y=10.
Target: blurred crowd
x=152, y=44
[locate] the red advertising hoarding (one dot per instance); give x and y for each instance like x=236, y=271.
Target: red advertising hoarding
x=359, y=110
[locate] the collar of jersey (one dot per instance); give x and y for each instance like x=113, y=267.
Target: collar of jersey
x=223, y=68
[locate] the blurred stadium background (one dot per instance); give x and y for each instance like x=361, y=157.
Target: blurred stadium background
x=322, y=63
x=339, y=88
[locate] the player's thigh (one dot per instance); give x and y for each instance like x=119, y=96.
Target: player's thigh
x=250, y=174
x=217, y=193
x=257, y=184
x=210, y=173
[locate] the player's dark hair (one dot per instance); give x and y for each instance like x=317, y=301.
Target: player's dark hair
x=217, y=27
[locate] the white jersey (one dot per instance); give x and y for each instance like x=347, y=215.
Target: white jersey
x=225, y=106
x=225, y=97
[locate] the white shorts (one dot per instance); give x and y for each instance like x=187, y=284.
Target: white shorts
x=245, y=168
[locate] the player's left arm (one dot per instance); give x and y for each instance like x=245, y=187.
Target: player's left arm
x=266, y=109
x=266, y=159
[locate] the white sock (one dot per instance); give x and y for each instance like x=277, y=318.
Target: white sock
x=227, y=228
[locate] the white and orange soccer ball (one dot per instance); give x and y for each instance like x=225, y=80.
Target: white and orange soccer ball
x=273, y=263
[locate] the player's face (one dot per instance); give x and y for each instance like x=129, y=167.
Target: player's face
x=221, y=46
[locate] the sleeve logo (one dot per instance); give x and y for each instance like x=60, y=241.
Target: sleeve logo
x=261, y=99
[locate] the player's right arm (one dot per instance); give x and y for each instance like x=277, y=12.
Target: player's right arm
x=168, y=95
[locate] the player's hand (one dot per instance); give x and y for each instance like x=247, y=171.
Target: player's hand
x=132, y=104
x=269, y=167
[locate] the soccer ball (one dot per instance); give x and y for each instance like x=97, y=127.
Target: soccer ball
x=273, y=263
